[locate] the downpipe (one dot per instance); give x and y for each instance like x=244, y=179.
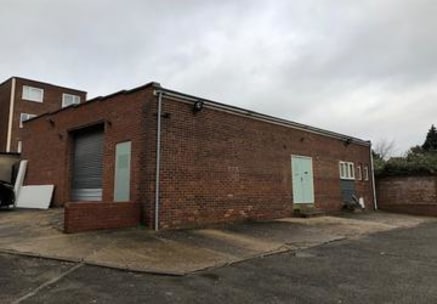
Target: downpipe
x=158, y=160
x=372, y=171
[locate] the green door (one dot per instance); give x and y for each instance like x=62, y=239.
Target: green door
x=302, y=176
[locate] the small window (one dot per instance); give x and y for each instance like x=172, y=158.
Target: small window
x=347, y=170
x=19, y=146
x=68, y=100
x=366, y=173
x=24, y=117
x=33, y=94
x=359, y=173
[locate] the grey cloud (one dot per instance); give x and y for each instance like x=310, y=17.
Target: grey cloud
x=363, y=68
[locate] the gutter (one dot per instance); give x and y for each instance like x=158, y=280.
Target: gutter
x=375, y=203
x=174, y=95
x=158, y=159
x=11, y=116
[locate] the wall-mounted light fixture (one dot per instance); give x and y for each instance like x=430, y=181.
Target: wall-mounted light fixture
x=198, y=106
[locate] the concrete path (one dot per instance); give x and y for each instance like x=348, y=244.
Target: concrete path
x=37, y=233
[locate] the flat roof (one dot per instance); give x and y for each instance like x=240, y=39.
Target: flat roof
x=222, y=106
x=44, y=83
x=264, y=117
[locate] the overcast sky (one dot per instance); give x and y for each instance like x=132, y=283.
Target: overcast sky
x=363, y=68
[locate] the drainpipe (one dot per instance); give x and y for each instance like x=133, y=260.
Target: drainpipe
x=158, y=160
x=11, y=116
x=375, y=203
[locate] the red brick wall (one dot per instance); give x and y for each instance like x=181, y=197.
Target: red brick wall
x=87, y=216
x=5, y=95
x=52, y=101
x=49, y=155
x=217, y=167
x=413, y=194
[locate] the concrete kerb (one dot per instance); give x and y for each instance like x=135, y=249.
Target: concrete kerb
x=281, y=249
x=41, y=256
x=287, y=247
x=137, y=270
x=83, y=261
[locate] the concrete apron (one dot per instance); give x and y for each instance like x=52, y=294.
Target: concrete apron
x=36, y=233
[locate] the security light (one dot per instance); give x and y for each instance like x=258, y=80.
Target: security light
x=198, y=106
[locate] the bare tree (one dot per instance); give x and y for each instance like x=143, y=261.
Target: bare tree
x=384, y=148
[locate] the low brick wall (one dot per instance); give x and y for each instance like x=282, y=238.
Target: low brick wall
x=409, y=194
x=86, y=216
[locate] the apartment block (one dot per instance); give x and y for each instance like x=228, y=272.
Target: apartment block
x=22, y=99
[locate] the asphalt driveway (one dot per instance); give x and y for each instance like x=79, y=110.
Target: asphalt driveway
x=394, y=266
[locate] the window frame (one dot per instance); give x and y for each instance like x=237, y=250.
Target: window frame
x=26, y=94
x=28, y=115
x=366, y=173
x=359, y=172
x=74, y=97
x=346, y=170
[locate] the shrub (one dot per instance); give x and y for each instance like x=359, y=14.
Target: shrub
x=412, y=164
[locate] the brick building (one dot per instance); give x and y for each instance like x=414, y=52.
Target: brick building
x=171, y=160
x=21, y=99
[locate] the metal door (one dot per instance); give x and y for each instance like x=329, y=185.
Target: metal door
x=302, y=176
x=347, y=190
x=87, y=165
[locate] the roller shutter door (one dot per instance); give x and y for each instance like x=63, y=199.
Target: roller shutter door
x=87, y=166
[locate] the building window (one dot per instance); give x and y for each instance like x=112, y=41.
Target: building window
x=359, y=173
x=68, y=100
x=19, y=146
x=347, y=170
x=366, y=173
x=24, y=117
x=32, y=94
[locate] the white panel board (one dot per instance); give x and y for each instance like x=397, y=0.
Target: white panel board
x=38, y=197
x=20, y=177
